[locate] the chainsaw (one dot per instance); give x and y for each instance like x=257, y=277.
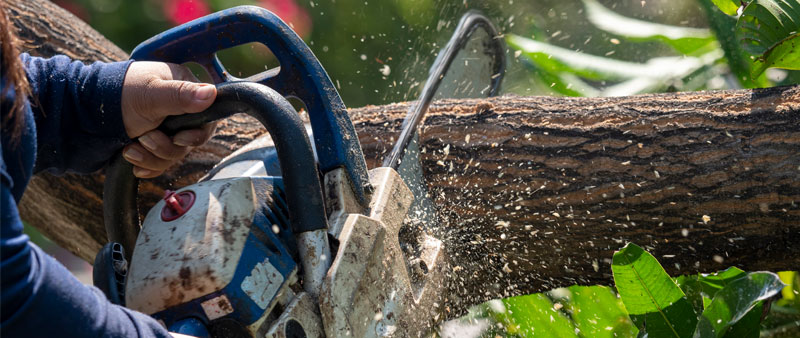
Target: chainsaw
x=297, y=239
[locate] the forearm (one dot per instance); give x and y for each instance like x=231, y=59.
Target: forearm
x=71, y=309
x=77, y=109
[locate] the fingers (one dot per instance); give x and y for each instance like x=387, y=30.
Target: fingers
x=195, y=137
x=147, y=163
x=182, y=92
x=160, y=145
x=176, y=97
x=151, y=92
x=154, y=90
x=156, y=152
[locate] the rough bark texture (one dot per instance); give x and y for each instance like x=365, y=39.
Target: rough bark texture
x=539, y=192
x=536, y=192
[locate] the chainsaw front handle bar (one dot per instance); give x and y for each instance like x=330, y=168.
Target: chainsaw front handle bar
x=298, y=167
x=300, y=75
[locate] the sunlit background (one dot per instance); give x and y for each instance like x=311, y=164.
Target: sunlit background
x=379, y=51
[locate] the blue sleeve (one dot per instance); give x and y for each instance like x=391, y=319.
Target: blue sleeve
x=40, y=298
x=78, y=122
x=78, y=114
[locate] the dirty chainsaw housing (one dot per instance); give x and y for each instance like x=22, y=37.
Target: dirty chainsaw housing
x=228, y=261
x=215, y=264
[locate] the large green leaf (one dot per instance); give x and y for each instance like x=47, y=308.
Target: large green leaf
x=770, y=30
x=791, y=293
x=566, y=84
x=764, y=23
x=785, y=54
x=684, y=39
x=597, y=312
x=724, y=27
x=701, y=288
x=734, y=301
x=749, y=326
x=532, y=315
x=729, y=7
x=655, y=303
x=556, y=60
x=711, y=283
x=691, y=287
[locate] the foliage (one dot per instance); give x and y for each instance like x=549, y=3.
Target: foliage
x=729, y=7
x=576, y=311
x=685, y=40
x=568, y=71
x=654, y=302
x=729, y=303
x=768, y=31
x=660, y=307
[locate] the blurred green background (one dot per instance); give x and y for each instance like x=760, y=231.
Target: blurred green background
x=379, y=51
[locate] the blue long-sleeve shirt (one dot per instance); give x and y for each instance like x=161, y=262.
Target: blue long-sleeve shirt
x=72, y=123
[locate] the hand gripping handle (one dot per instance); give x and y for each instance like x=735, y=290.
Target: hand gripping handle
x=300, y=176
x=300, y=75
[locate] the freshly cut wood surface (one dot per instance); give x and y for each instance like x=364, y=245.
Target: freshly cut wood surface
x=536, y=192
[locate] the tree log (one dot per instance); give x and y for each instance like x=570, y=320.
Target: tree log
x=535, y=192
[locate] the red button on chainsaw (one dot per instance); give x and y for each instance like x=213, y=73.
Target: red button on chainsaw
x=176, y=204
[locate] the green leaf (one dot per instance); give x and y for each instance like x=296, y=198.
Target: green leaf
x=693, y=290
x=770, y=30
x=597, y=312
x=566, y=84
x=786, y=54
x=749, y=326
x=764, y=23
x=655, y=303
x=727, y=6
x=532, y=315
x=791, y=293
x=724, y=27
x=684, y=39
x=732, y=303
x=556, y=60
x=711, y=283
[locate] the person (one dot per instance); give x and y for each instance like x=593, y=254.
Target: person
x=62, y=116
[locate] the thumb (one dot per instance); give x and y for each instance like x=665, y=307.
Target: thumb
x=175, y=97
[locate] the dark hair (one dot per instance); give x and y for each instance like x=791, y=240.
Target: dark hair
x=13, y=74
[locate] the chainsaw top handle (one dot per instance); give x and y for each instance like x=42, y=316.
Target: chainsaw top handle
x=300, y=75
x=300, y=176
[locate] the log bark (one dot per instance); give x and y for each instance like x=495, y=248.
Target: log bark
x=535, y=192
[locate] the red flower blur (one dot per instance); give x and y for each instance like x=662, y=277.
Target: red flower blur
x=182, y=11
x=291, y=13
